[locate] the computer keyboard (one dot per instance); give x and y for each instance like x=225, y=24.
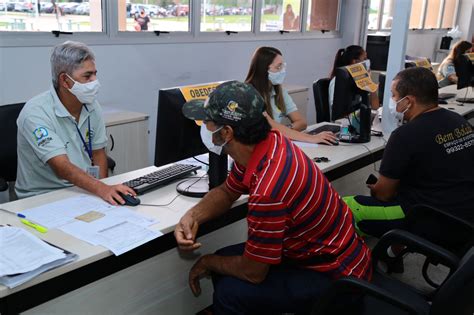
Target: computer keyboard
x=445, y=96
x=332, y=128
x=465, y=100
x=159, y=178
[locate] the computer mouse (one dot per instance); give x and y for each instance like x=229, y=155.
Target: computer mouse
x=333, y=142
x=130, y=200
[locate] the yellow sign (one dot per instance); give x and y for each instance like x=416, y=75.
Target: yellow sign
x=362, y=77
x=198, y=92
x=471, y=56
x=425, y=63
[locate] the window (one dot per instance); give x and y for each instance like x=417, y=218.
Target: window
x=154, y=15
x=387, y=16
x=416, y=14
x=425, y=14
x=226, y=15
x=46, y=16
x=322, y=15
x=281, y=15
x=448, y=13
x=374, y=9
x=432, y=13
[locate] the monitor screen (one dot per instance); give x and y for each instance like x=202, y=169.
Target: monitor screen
x=177, y=137
x=347, y=96
x=464, y=71
x=377, y=51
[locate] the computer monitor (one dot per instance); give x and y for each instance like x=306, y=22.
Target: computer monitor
x=464, y=71
x=348, y=98
x=178, y=138
x=377, y=51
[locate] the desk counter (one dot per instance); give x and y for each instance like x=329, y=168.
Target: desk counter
x=156, y=272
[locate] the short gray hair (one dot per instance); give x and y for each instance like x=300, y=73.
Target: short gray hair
x=67, y=57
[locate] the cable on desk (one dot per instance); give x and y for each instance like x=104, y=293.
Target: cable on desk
x=200, y=161
x=177, y=195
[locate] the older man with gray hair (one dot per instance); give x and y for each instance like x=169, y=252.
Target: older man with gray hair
x=61, y=133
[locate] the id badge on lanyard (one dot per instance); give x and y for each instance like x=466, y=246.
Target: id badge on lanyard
x=92, y=170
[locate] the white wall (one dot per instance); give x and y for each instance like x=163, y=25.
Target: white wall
x=131, y=75
x=423, y=44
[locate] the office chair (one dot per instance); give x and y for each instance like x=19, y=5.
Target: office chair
x=385, y=295
x=8, y=146
x=321, y=99
x=441, y=228
x=8, y=130
x=381, y=87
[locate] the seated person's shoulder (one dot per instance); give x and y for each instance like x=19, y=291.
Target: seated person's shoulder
x=39, y=107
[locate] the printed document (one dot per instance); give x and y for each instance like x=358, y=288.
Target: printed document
x=21, y=251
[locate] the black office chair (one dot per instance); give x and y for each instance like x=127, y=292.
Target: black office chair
x=381, y=87
x=441, y=228
x=8, y=130
x=385, y=295
x=321, y=99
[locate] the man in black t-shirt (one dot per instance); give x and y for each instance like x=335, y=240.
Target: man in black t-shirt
x=142, y=20
x=429, y=160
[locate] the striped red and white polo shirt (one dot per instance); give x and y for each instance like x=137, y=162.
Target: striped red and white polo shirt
x=295, y=215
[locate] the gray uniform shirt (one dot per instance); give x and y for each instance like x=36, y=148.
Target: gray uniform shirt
x=45, y=130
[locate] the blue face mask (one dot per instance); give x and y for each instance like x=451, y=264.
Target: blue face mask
x=277, y=78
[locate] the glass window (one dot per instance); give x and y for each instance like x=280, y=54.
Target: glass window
x=46, y=16
x=322, y=15
x=226, y=15
x=280, y=15
x=416, y=14
x=374, y=8
x=388, y=11
x=432, y=13
x=448, y=13
x=153, y=15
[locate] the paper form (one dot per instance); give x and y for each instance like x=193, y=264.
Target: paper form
x=88, y=231
x=56, y=214
x=305, y=144
x=119, y=237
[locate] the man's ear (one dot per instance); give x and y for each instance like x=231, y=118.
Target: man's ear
x=64, y=81
x=412, y=100
x=228, y=133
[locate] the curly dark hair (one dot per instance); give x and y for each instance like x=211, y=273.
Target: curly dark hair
x=252, y=134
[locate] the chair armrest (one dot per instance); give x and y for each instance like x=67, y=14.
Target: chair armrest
x=414, y=244
x=3, y=185
x=354, y=286
x=110, y=163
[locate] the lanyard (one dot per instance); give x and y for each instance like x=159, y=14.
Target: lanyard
x=87, y=147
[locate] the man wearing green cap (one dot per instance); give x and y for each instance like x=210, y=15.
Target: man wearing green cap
x=300, y=233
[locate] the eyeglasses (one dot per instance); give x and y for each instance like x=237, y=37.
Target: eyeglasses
x=321, y=159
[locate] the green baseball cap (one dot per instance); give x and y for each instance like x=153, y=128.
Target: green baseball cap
x=231, y=103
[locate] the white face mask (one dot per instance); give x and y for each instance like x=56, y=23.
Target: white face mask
x=86, y=93
x=366, y=62
x=277, y=78
x=206, y=137
x=392, y=106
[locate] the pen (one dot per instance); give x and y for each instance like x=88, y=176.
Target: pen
x=37, y=227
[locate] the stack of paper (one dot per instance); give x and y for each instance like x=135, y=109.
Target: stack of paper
x=24, y=256
x=93, y=220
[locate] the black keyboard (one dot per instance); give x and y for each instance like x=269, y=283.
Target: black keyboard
x=465, y=100
x=445, y=96
x=332, y=128
x=161, y=177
